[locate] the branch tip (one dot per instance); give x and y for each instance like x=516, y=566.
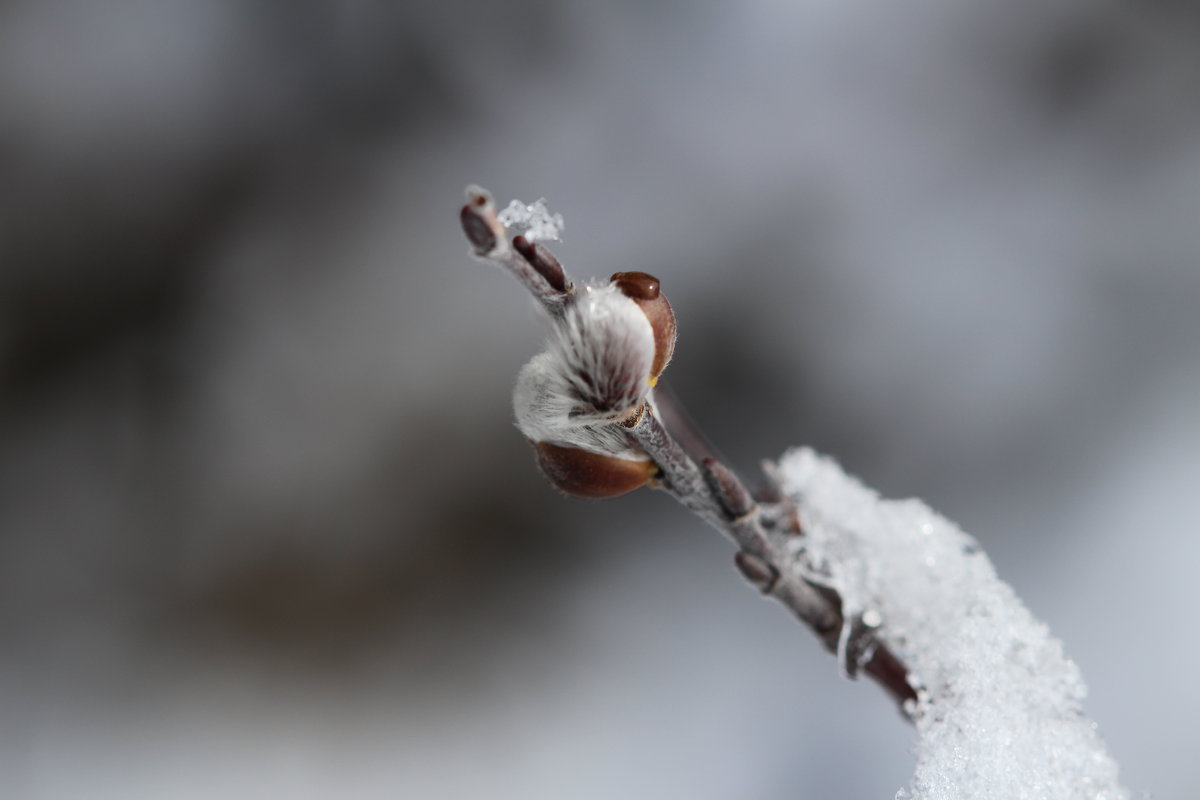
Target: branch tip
x=529, y=262
x=477, y=195
x=480, y=225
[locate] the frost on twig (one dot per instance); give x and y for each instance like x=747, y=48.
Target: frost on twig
x=897, y=592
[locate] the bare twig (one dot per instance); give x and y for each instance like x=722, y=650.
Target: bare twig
x=767, y=531
x=530, y=263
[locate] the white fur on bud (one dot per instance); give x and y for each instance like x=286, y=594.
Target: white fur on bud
x=605, y=346
x=594, y=372
x=547, y=411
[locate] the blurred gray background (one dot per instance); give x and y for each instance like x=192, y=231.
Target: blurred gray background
x=266, y=528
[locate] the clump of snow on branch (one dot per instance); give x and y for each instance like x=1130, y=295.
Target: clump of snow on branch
x=534, y=221
x=999, y=705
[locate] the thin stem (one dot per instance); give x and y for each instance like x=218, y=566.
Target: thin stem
x=764, y=533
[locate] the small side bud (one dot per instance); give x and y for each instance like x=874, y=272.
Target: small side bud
x=541, y=259
x=646, y=291
x=758, y=572
x=581, y=473
x=729, y=491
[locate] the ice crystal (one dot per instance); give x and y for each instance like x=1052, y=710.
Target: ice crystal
x=534, y=221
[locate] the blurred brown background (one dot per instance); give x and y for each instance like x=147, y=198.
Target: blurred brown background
x=266, y=528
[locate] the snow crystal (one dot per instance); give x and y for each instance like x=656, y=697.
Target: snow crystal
x=998, y=713
x=534, y=220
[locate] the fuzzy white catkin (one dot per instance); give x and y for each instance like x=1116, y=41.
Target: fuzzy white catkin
x=594, y=372
x=999, y=714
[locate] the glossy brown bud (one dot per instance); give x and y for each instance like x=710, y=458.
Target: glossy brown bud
x=646, y=291
x=581, y=473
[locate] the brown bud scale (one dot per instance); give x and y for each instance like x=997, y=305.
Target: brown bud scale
x=637, y=285
x=756, y=571
x=646, y=291
x=541, y=259
x=726, y=488
x=581, y=473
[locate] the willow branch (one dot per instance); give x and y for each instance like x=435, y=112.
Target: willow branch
x=767, y=532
